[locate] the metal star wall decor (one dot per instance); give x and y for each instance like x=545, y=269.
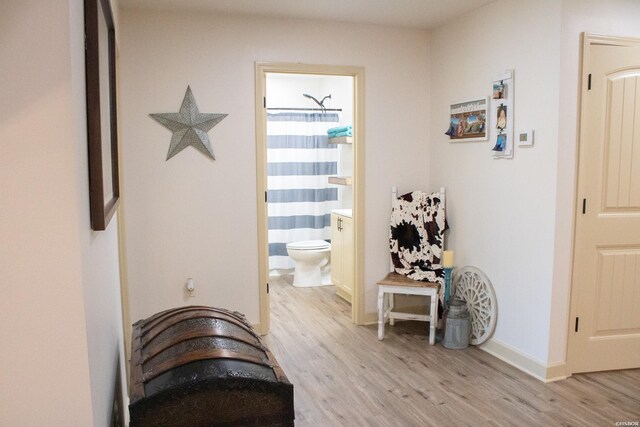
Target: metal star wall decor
x=189, y=127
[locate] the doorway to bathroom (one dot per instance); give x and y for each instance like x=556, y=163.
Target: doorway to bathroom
x=310, y=180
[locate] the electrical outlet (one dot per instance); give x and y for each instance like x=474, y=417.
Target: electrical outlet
x=190, y=287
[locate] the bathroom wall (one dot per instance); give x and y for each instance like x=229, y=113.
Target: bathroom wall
x=285, y=90
x=190, y=217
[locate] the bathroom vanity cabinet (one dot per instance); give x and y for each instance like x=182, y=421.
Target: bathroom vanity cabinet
x=342, y=254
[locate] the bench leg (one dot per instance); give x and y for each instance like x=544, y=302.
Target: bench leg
x=381, y=319
x=391, y=305
x=434, y=318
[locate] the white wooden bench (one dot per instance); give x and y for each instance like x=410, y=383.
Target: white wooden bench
x=395, y=283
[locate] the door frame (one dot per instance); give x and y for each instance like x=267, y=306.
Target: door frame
x=261, y=70
x=588, y=40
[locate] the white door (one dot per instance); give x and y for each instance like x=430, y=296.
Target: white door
x=605, y=323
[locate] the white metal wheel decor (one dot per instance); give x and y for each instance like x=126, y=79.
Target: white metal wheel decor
x=474, y=287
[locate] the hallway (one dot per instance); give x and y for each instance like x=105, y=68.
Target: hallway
x=343, y=375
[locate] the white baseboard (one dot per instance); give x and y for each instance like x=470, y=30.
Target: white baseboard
x=556, y=372
x=127, y=419
x=526, y=363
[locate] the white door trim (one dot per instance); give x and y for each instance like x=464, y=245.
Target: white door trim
x=261, y=70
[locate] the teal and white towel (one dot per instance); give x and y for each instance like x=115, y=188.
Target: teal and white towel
x=345, y=133
x=340, y=131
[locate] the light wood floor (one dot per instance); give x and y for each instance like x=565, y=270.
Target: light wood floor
x=344, y=376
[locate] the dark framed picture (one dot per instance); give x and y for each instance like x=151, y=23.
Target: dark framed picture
x=102, y=134
x=468, y=120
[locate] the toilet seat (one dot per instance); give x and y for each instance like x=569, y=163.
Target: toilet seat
x=309, y=245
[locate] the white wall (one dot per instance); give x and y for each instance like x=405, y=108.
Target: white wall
x=100, y=259
x=285, y=90
x=615, y=18
x=60, y=331
x=501, y=212
x=191, y=217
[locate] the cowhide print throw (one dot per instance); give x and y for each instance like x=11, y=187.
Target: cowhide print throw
x=416, y=238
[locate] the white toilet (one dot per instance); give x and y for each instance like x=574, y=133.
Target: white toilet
x=312, y=262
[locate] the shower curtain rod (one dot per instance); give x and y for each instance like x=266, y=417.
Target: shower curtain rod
x=305, y=109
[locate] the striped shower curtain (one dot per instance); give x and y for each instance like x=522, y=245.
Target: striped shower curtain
x=299, y=162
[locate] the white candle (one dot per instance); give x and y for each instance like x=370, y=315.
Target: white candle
x=448, y=259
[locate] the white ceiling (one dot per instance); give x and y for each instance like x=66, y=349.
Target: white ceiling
x=404, y=13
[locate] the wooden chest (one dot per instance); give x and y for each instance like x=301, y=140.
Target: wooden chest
x=205, y=366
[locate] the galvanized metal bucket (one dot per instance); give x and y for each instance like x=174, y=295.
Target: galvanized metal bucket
x=458, y=326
